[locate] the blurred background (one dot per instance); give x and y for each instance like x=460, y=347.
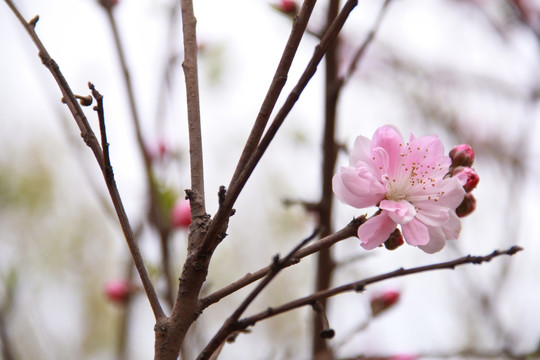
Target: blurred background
x=467, y=70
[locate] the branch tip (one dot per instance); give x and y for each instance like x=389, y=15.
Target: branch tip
x=34, y=21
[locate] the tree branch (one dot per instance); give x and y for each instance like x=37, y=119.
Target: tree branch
x=278, y=82
x=104, y=162
x=68, y=96
x=212, y=239
x=326, y=242
x=360, y=286
x=226, y=329
x=189, y=22
x=121, y=212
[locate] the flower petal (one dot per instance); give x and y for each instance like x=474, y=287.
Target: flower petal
x=357, y=187
x=400, y=212
x=452, y=228
x=437, y=240
x=389, y=138
x=376, y=230
x=415, y=233
x=361, y=151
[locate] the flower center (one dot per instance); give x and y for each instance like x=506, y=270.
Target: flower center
x=415, y=173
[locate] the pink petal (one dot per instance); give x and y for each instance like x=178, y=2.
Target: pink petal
x=389, y=138
x=376, y=230
x=433, y=214
x=361, y=151
x=437, y=240
x=415, y=233
x=400, y=212
x=453, y=193
x=357, y=187
x=452, y=228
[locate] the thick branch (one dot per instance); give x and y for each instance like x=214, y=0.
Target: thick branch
x=359, y=286
x=326, y=242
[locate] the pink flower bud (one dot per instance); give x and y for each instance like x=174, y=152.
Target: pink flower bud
x=117, y=290
x=288, y=7
x=467, y=206
x=181, y=214
x=158, y=150
x=462, y=155
x=394, y=241
x=383, y=301
x=467, y=177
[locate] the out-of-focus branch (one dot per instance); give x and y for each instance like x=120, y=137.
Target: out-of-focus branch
x=359, y=54
x=360, y=286
x=345, y=233
x=325, y=262
x=226, y=329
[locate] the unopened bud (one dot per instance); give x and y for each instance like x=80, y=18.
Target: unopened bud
x=462, y=155
x=467, y=177
x=467, y=206
x=394, y=241
x=384, y=301
x=288, y=7
x=181, y=214
x=117, y=290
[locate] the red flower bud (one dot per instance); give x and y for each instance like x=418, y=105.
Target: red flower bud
x=462, y=155
x=467, y=177
x=467, y=206
x=383, y=301
x=181, y=214
x=117, y=290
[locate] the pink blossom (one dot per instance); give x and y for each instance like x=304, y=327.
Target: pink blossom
x=406, y=180
x=117, y=290
x=181, y=214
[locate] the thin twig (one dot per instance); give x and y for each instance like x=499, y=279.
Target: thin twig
x=345, y=233
x=189, y=65
x=68, y=96
x=360, y=286
x=212, y=239
x=91, y=140
x=226, y=329
x=121, y=212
